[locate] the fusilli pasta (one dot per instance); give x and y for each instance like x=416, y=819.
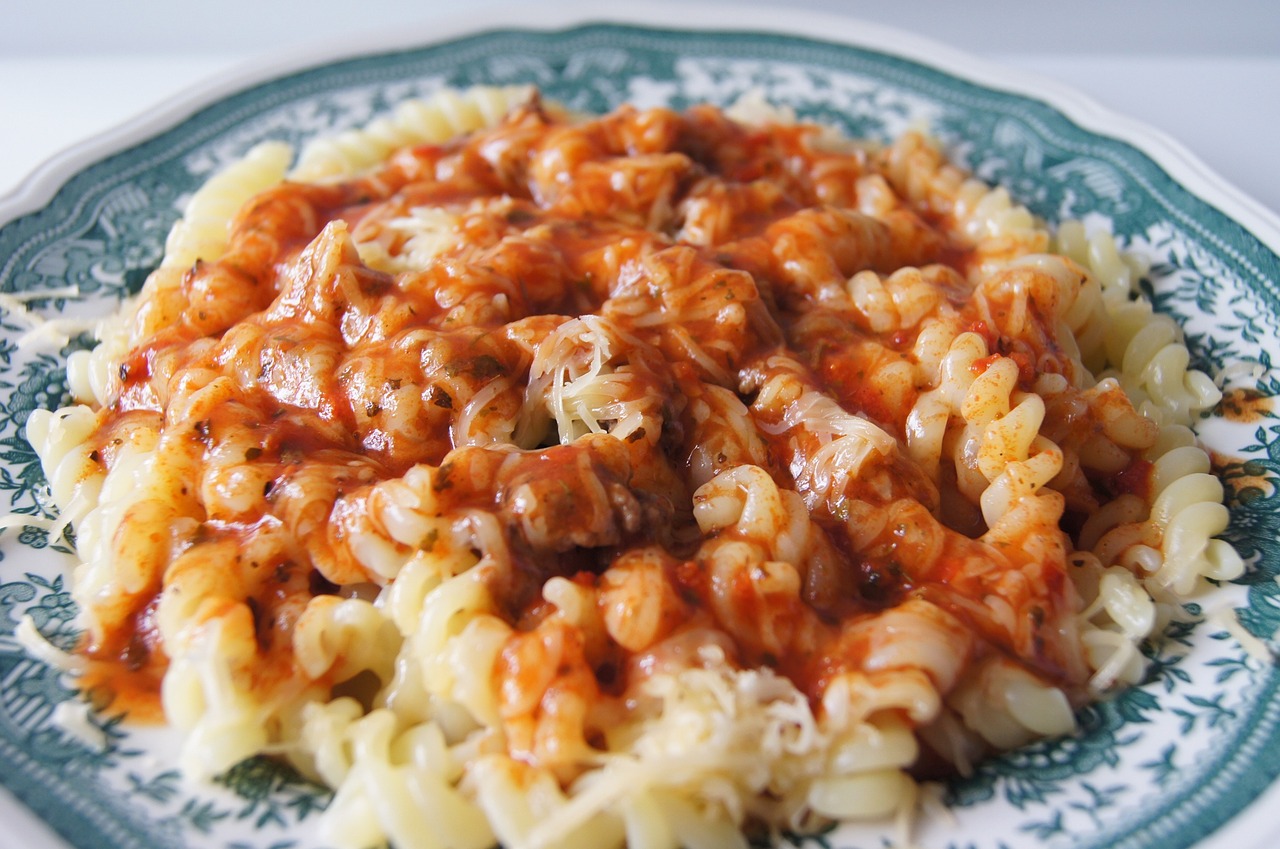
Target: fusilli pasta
x=652, y=478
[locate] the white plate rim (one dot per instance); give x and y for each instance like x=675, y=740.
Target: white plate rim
x=1254, y=827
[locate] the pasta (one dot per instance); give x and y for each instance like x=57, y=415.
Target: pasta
x=652, y=479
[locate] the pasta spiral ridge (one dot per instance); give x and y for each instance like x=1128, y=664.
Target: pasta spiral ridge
x=644, y=479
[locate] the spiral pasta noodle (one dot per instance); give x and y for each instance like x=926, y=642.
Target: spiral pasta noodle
x=653, y=478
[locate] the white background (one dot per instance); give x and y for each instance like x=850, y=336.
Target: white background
x=1204, y=72
x=1226, y=27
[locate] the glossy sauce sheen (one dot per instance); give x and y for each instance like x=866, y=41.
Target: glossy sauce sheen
x=709, y=246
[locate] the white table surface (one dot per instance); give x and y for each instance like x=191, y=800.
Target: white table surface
x=1218, y=104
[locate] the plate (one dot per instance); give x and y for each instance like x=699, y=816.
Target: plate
x=1180, y=761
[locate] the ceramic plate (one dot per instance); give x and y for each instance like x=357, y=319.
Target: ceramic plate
x=1177, y=762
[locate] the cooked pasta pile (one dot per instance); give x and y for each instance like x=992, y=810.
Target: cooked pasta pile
x=652, y=478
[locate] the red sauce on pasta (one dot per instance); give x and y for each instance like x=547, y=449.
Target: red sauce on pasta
x=720, y=256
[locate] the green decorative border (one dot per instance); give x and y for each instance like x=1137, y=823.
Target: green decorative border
x=104, y=229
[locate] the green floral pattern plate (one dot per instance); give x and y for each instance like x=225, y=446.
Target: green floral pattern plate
x=1176, y=762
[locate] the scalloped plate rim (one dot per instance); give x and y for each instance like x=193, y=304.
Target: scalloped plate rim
x=1185, y=168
